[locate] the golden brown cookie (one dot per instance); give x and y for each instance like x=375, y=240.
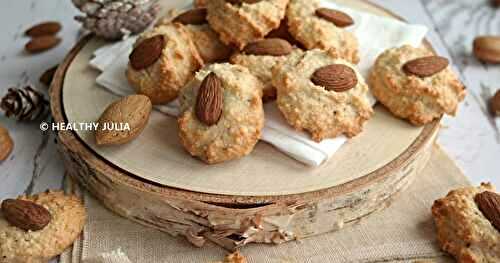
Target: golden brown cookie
x=408, y=96
x=206, y=40
x=261, y=65
x=314, y=31
x=241, y=23
x=164, y=59
x=323, y=94
x=222, y=114
x=67, y=220
x=463, y=230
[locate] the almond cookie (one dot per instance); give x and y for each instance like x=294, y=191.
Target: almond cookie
x=466, y=219
x=323, y=94
x=313, y=30
x=206, y=40
x=261, y=63
x=241, y=22
x=67, y=217
x=222, y=115
x=415, y=85
x=164, y=59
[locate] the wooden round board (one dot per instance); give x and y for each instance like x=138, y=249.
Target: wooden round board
x=264, y=197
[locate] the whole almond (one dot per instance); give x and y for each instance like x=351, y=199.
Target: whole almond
x=26, y=215
x=43, y=29
x=487, y=49
x=196, y=16
x=489, y=204
x=335, y=77
x=43, y=43
x=209, y=101
x=426, y=66
x=269, y=47
x=495, y=104
x=147, y=52
x=48, y=75
x=6, y=143
x=132, y=111
x=337, y=17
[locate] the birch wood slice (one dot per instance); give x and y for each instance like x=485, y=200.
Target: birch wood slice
x=264, y=197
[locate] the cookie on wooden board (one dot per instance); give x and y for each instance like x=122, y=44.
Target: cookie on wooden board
x=164, y=59
x=241, y=22
x=316, y=31
x=222, y=113
x=323, y=94
x=67, y=218
x=416, y=85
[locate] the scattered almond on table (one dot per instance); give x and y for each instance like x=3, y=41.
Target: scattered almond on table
x=495, y=104
x=43, y=37
x=44, y=29
x=40, y=44
x=6, y=143
x=487, y=48
x=123, y=120
x=48, y=75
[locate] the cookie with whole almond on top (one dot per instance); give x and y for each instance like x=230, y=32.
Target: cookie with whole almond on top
x=261, y=57
x=239, y=22
x=38, y=228
x=415, y=84
x=323, y=94
x=163, y=60
x=206, y=40
x=222, y=115
x=468, y=223
x=322, y=28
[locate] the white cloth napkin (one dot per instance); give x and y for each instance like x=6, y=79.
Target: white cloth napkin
x=375, y=34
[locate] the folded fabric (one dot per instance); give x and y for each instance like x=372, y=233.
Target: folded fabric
x=375, y=34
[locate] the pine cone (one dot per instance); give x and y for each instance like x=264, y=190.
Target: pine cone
x=113, y=19
x=24, y=104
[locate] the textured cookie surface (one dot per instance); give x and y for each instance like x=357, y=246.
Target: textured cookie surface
x=420, y=100
x=240, y=24
x=463, y=230
x=177, y=64
x=240, y=124
x=261, y=67
x=210, y=48
x=310, y=107
x=205, y=39
x=67, y=220
x=316, y=32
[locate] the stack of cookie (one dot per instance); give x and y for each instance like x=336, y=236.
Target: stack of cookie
x=293, y=52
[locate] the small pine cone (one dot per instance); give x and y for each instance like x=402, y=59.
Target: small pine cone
x=113, y=19
x=25, y=104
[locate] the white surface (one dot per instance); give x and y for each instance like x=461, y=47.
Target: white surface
x=112, y=60
x=470, y=138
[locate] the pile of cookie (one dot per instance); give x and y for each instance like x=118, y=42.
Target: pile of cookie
x=225, y=58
